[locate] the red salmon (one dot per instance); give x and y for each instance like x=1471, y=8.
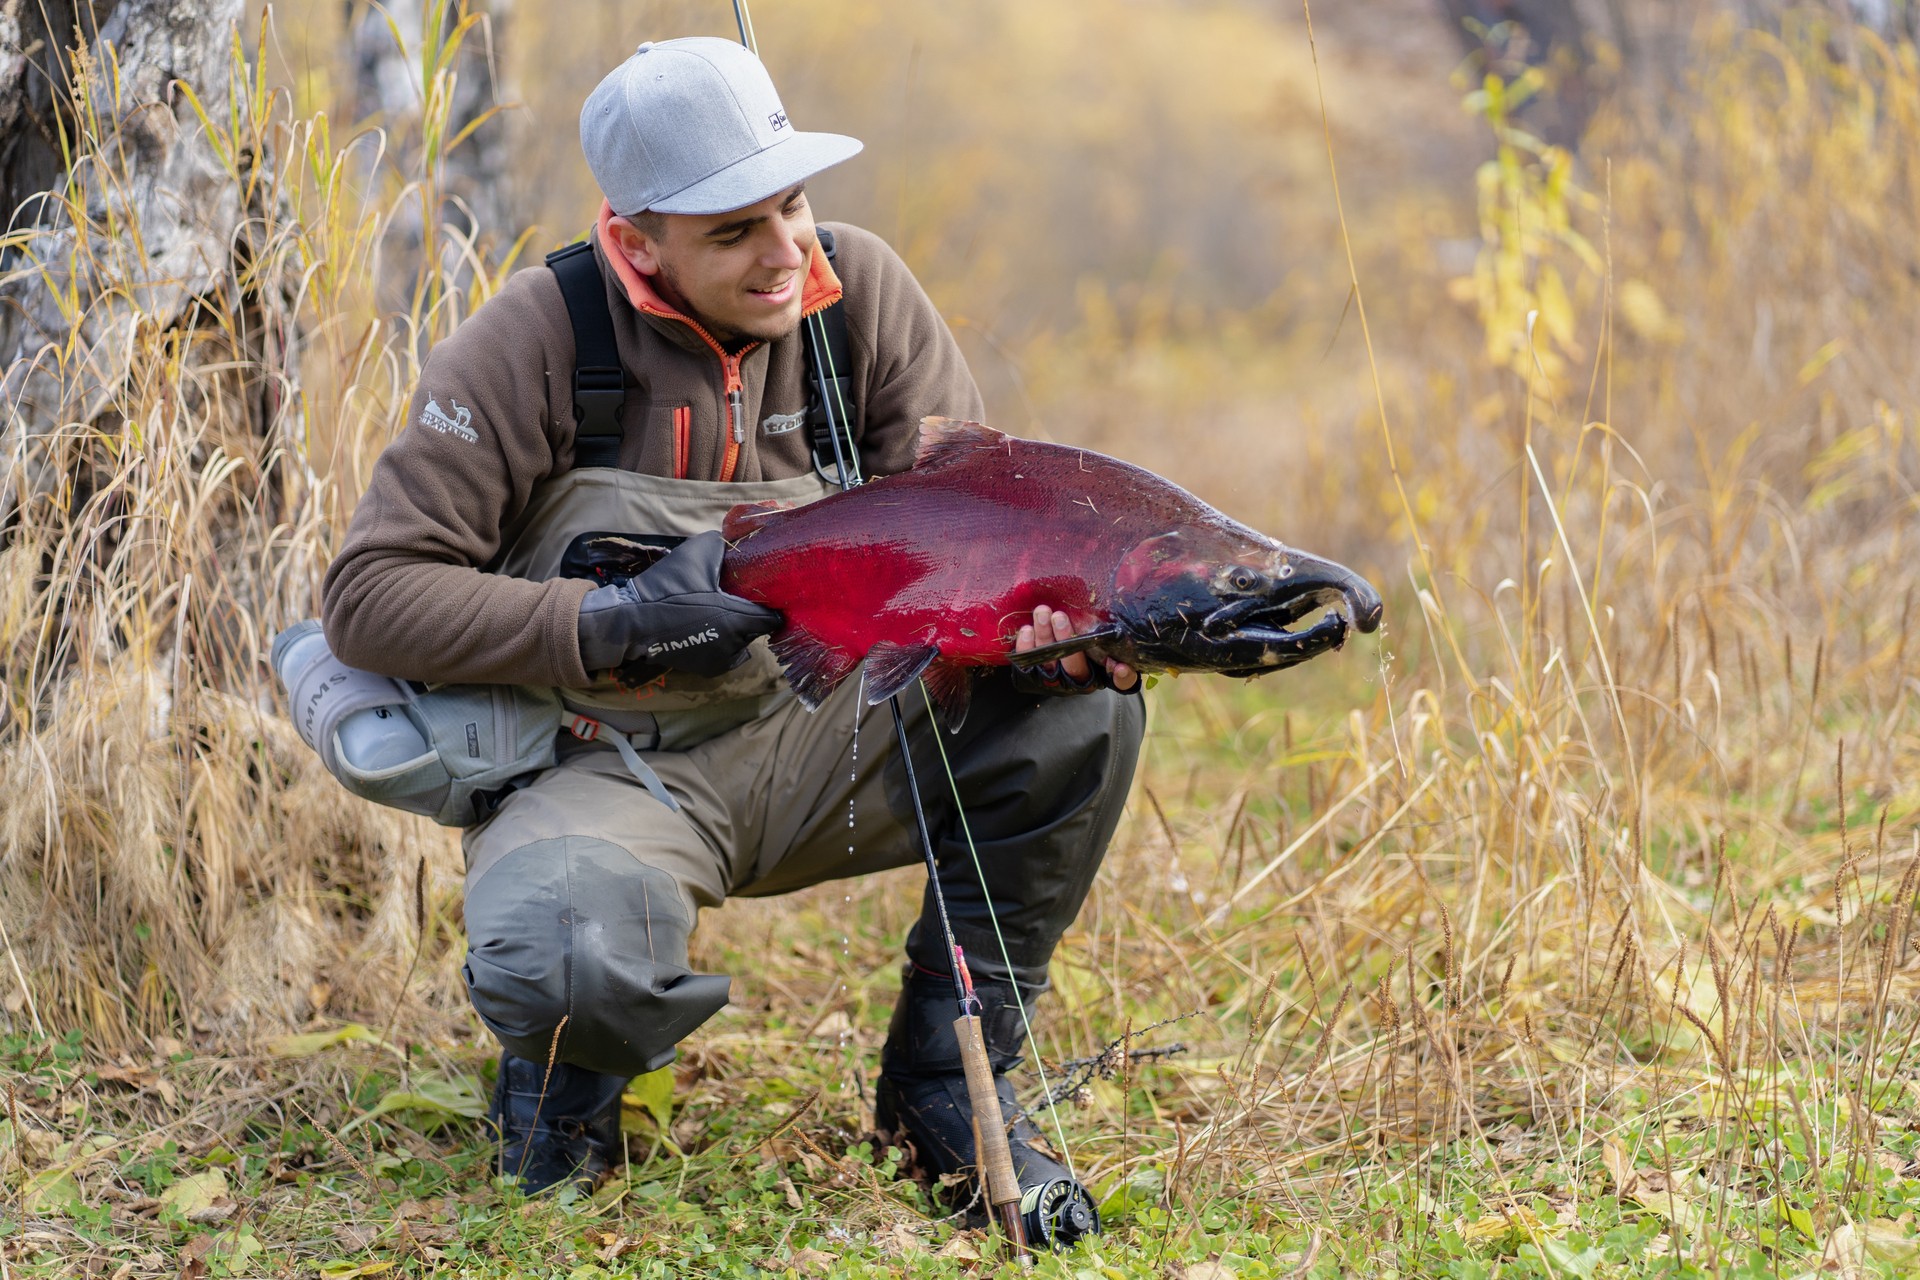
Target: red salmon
x=929, y=573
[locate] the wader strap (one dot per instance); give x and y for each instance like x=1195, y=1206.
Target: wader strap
x=587, y=729
x=838, y=377
x=599, y=385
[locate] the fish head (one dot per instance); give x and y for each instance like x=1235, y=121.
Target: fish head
x=1223, y=600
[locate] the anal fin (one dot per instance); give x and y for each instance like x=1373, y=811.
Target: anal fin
x=892, y=666
x=813, y=667
x=950, y=685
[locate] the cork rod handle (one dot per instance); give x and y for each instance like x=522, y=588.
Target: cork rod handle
x=990, y=1129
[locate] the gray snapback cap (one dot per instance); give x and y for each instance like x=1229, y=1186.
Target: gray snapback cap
x=694, y=126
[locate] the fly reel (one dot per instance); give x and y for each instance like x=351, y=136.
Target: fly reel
x=1057, y=1214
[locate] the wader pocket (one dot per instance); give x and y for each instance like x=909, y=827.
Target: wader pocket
x=602, y=558
x=473, y=740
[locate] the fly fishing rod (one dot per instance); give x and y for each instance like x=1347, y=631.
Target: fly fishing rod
x=993, y=1152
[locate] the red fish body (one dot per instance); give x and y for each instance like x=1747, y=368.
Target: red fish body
x=931, y=572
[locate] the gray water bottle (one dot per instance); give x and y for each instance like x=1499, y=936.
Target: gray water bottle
x=368, y=739
x=378, y=738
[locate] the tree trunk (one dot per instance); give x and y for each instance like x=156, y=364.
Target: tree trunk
x=143, y=229
x=472, y=206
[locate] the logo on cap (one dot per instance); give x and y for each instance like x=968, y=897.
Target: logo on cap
x=778, y=120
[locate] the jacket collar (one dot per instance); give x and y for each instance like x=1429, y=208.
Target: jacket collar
x=821, y=289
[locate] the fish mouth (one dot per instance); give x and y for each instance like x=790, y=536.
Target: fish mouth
x=1255, y=629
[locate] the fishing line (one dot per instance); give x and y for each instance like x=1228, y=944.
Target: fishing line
x=993, y=915
x=847, y=463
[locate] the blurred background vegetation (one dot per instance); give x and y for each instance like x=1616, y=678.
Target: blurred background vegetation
x=1602, y=357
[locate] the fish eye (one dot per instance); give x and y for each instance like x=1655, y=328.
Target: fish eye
x=1243, y=579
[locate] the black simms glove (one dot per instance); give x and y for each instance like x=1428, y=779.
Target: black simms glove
x=672, y=615
x=1050, y=678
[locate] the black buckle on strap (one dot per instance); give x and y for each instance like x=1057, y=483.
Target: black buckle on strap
x=597, y=397
x=599, y=385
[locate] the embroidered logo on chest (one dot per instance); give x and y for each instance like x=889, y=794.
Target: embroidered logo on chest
x=778, y=424
x=450, y=424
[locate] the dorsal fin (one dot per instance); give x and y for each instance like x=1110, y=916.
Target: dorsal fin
x=944, y=438
x=745, y=518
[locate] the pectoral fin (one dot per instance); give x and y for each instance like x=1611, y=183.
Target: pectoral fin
x=1043, y=654
x=813, y=667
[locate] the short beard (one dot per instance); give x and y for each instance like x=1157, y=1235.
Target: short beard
x=725, y=335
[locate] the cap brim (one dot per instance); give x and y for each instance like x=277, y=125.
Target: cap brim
x=762, y=174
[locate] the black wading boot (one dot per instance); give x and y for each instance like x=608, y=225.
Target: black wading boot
x=556, y=1127
x=922, y=1096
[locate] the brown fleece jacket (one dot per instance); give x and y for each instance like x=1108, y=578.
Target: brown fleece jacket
x=493, y=417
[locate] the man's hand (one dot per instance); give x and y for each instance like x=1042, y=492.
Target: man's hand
x=1072, y=671
x=674, y=615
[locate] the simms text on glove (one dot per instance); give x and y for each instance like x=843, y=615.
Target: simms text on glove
x=672, y=615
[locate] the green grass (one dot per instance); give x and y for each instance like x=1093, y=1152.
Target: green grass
x=269, y=1165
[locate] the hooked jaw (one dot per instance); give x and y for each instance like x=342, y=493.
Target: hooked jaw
x=1178, y=608
x=1249, y=634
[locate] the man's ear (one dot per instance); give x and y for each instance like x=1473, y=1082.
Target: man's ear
x=635, y=246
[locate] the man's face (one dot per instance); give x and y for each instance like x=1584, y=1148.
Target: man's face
x=738, y=274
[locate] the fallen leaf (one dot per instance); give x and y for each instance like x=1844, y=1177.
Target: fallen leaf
x=1892, y=1241
x=305, y=1046
x=900, y=1239
x=51, y=1191
x=811, y=1262
x=341, y=1270
x=438, y=1098
x=612, y=1247
x=1845, y=1254
x=652, y=1093
x=960, y=1247
x=836, y=1027
x=195, y=1192
x=1207, y=1271
x=1495, y=1226
x=1651, y=1188
x=134, y=1077
x=356, y=1236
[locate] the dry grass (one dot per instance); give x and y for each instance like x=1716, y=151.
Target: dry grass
x=1592, y=883
x=173, y=856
